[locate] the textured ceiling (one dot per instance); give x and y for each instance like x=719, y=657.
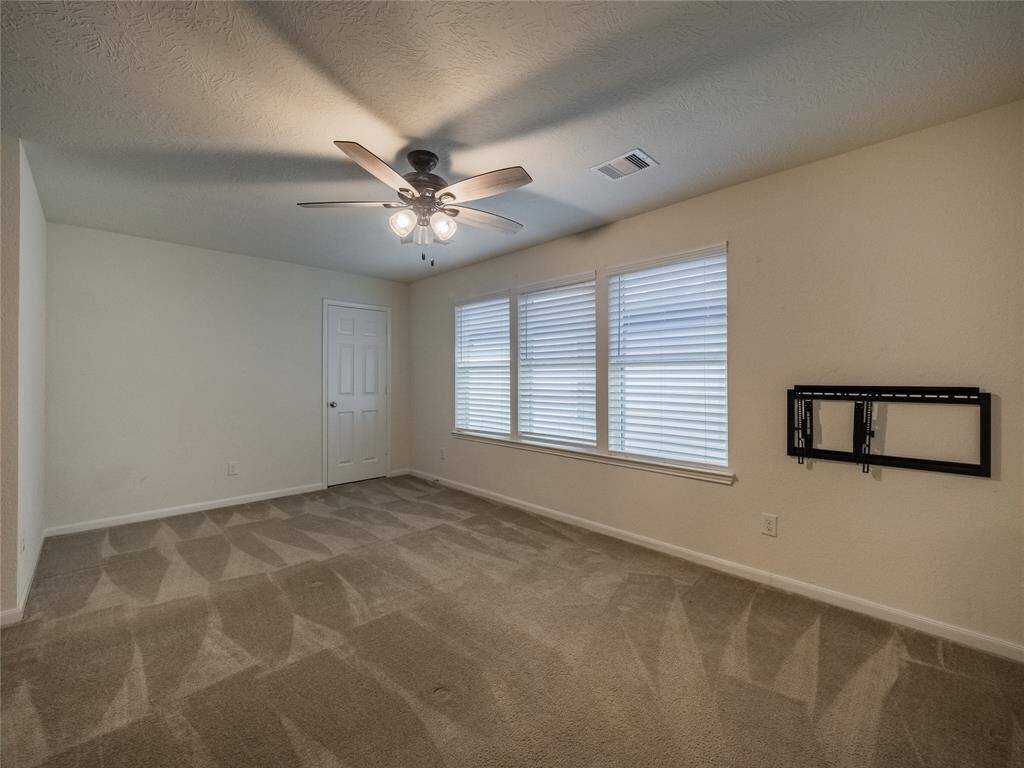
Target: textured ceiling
x=204, y=123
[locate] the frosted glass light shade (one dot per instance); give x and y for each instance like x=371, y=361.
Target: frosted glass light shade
x=444, y=226
x=402, y=222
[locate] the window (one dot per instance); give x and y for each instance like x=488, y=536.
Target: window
x=654, y=395
x=667, y=386
x=557, y=364
x=482, y=369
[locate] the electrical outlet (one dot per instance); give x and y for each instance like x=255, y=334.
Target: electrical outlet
x=444, y=454
x=232, y=468
x=770, y=525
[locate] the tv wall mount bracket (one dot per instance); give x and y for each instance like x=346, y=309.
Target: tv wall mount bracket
x=800, y=425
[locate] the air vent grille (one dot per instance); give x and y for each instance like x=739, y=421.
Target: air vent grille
x=631, y=162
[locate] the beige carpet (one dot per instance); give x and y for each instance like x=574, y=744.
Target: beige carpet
x=391, y=623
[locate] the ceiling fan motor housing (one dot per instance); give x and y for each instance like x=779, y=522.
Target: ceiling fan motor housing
x=424, y=161
x=425, y=182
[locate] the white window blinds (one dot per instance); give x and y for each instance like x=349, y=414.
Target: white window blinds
x=667, y=394
x=557, y=366
x=482, y=374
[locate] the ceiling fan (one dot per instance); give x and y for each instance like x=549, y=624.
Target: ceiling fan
x=430, y=209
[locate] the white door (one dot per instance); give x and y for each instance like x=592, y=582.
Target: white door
x=356, y=402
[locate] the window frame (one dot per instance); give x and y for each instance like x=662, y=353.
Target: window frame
x=507, y=295
x=600, y=453
x=665, y=261
x=547, y=285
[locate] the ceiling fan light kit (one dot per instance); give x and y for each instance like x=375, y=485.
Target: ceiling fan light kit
x=427, y=205
x=422, y=235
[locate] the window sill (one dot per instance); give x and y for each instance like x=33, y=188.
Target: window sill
x=722, y=476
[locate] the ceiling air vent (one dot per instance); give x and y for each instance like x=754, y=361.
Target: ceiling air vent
x=632, y=162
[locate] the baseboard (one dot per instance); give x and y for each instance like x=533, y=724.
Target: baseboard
x=199, y=506
x=14, y=615
x=952, y=632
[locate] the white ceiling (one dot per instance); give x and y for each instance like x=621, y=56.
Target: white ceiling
x=205, y=123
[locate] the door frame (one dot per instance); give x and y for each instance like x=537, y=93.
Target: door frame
x=327, y=303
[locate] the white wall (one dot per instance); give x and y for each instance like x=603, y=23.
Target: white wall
x=900, y=263
x=31, y=380
x=166, y=361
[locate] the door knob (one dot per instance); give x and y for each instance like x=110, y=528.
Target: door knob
x=333, y=403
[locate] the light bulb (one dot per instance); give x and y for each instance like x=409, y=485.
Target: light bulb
x=402, y=222
x=422, y=235
x=444, y=226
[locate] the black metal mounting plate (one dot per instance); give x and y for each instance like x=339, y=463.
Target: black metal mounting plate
x=800, y=428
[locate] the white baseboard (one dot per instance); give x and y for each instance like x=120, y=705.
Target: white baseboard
x=14, y=615
x=199, y=506
x=957, y=634
x=397, y=472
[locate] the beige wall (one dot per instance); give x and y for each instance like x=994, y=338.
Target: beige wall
x=10, y=214
x=166, y=361
x=31, y=379
x=23, y=373
x=900, y=263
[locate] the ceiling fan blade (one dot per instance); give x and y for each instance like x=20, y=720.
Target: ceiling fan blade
x=375, y=166
x=485, y=220
x=352, y=204
x=486, y=184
